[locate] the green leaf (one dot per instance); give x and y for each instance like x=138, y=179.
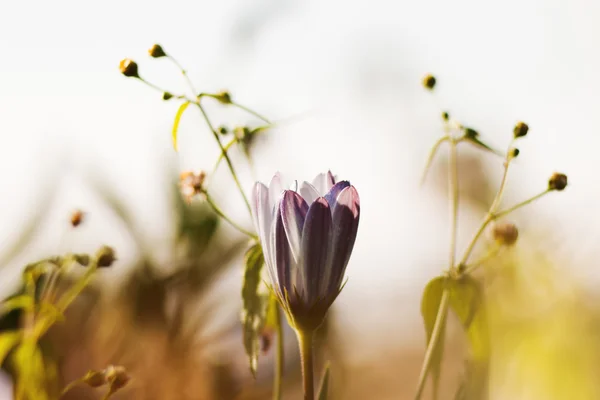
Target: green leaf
x=8, y=341
x=466, y=301
x=324, y=390
x=254, y=311
x=180, y=111
x=430, y=304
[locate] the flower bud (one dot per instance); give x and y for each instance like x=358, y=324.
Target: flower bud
x=520, y=130
x=95, y=379
x=105, y=257
x=167, y=96
x=117, y=376
x=557, y=182
x=82, y=259
x=429, y=82
x=223, y=130
x=505, y=233
x=471, y=133
x=76, y=218
x=223, y=96
x=514, y=152
x=129, y=68
x=241, y=132
x=156, y=51
x=445, y=116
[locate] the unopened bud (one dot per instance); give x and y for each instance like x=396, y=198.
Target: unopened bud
x=117, y=376
x=445, y=116
x=514, y=152
x=557, y=182
x=223, y=96
x=105, y=257
x=241, y=132
x=429, y=82
x=471, y=133
x=520, y=130
x=129, y=68
x=505, y=233
x=223, y=130
x=95, y=379
x=156, y=51
x=167, y=96
x=76, y=218
x=82, y=259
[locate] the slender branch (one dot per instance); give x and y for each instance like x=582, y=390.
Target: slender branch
x=493, y=252
x=220, y=212
x=305, y=339
x=453, y=190
x=279, y=357
x=250, y=111
x=436, y=336
x=502, y=213
x=225, y=155
x=184, y=73
x=226, y=149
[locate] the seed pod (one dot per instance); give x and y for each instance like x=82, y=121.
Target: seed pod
x=557, y=182
x=129, y=68
x=429, y=82
x=520, y=130
x=105, y=257
x=156, y=51
x=505, y=233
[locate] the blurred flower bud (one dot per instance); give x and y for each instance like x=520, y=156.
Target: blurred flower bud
x=95, y=379
x=156, y=51
x=105, y=257
x=505, y=233
x=129, y=68
x=445, y=116
x=223, y=130
x=514, y=152
x=191, y=184
x=241, y=132
x=167, y=96
x=429, y=82
x=557, y=182
x=471, y=133
x=223, y=96
x=117, y=376
x=82, y=259
x=520, y=130
x=76, y=218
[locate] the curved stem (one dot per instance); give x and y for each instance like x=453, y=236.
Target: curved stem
x=221, y=156
x=432, y=154
x=502, y=213
x=250, y=111
x=279, y=360
x=184, y=73
x=225, y=155
x=436, y=336
x=220, y=212
x=305, y=340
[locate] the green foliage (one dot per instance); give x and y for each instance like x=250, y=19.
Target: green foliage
x=324, y=390
x=254, y=311
x=178, y=115
x=430, y=305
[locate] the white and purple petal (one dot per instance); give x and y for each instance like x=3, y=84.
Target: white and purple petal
x=275, y=189
x=334, y=192
x=293, y=212
x=262, y=216
x=309, y=192
x=323, y=182
x=283, y=261
x=316, y=242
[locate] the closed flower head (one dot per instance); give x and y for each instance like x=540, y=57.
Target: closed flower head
x=307, y=235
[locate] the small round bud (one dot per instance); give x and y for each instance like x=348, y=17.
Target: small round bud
x=223, y=96
x=76, y=218
x=82, y=259
x=156, y=51
x=223, y=130
x=241, y=132
x=167, y=96
x=505, y=233
x=429, y=82
x=95, y=379
x=520, y=130
x=117, y=376
x=514, y=152
x=105, y=257
x=129, y=68
x=471, y=133
x=557, y=182
x=445, y=116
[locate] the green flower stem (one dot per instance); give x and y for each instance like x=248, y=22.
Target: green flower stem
x=436, y=336
x=493, y=252
x=224, y=153
x=502, y=213
x=250, y=111
x=220, y=212
x=225, y=150
x=279, y=356
x=184, y=73
x=305, y=340
x=432, y=154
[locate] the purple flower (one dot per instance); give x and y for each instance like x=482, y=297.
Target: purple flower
x=307, y=235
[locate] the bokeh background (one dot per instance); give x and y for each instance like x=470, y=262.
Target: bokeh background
x=343, y=81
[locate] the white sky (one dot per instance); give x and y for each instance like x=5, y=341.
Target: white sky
x=355, y=66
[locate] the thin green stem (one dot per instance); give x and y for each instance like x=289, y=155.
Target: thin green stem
x=185, y=75
x=432, y=154
x=220, y=212
x=305, y=340
x=251, y=111
x=279, y=356
x=453, y=191
x=225, y=154
x=226, y=149
x=493, y=252
x=502, y=213
x=436, y=336
x=71, y=386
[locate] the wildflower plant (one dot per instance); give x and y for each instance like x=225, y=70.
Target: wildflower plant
x=456, y=289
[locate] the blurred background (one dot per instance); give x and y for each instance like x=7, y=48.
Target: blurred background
x=343, y=82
